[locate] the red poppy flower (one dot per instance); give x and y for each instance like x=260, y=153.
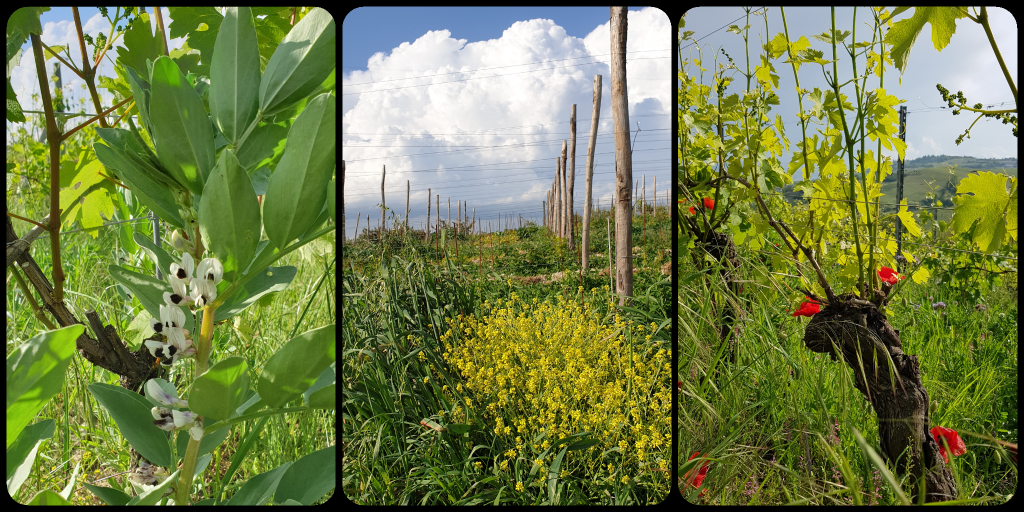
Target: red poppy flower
x=679, y=385
x=691, y=211
x=889, y=275
x=956, y=445
x=807, y=308
x=698, y=475
x=709, y=203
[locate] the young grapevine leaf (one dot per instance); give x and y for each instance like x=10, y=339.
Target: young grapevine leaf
x=907, y=218
x=993, y=205
x=904, y=33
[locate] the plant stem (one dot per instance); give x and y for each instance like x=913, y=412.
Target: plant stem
x=252, y=126
x=188, y=468
x=849, y=143
x=202, y=363
x=999, y=56
x=205, y=339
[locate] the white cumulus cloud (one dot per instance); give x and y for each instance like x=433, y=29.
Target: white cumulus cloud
x=484, y=121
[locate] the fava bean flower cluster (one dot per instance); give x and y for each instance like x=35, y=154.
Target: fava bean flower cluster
x=166, y=418
x=187, y=287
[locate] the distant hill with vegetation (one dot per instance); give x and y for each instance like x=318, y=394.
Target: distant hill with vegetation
x=931, y=175
x=962, y=162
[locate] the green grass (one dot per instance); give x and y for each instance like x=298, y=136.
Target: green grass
x=779, y=424
x=400, y=295
x=86, y=435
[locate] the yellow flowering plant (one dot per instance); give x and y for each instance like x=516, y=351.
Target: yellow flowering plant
x=550, y=373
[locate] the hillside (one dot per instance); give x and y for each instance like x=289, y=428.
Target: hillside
x=962, y=162
x=931, y=174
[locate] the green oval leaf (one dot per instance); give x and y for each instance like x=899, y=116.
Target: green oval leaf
x=131, y=412
x=298, y=188
x=310, y=478
x=234, y=73
x=142, y=94
x=303, y=60
x=296, y=365
x=157, y=254
x=22, y=453
x=271, y=279
x=229, y=215
x=218, y=392
x=35, y=373
x=182, y=130
x=154, y=195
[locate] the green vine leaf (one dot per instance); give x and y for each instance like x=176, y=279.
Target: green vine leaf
x=186, y=22
x=987, y=198
x=903, y=33
x=139, y=44
x=907, y=218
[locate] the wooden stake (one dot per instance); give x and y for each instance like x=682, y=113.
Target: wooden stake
x=587, y=205
x=623, y=158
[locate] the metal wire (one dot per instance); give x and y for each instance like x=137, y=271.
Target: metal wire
x=142, y=219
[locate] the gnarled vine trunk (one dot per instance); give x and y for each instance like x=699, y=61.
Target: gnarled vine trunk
x=891, y=381
x=721, y=247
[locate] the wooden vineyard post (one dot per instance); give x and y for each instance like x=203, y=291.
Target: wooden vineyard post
x=474, y=221
x=623, y=159
x=342, y=202
x=355, y=235
x=551, y=208
x=558, y=198
x=565, y=195
x=544, y=213
x=458, y=214
x=608, y=226
x=588, y=188
x=437, y=228
x=426, y=236
x=383, y=172
x=643, y=213
x=405, y=226
x=571, y=175
x=448, y=225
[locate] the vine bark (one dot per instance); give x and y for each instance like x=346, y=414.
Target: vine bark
x=890, y=379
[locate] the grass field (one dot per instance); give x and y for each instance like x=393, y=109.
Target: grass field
x=780, y=425
x=495, y=373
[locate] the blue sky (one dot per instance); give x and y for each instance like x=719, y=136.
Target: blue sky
x=473, y=103
x=967, y=63
x=364, y=37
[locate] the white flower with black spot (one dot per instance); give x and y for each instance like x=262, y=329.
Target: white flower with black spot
x=173, y=343
x=180, y=277
x=204, y=283
x=170, y=419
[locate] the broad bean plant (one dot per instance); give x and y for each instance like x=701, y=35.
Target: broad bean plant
x=201, y=177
